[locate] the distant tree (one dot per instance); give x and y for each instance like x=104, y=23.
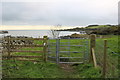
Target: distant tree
x=92, y=25
x=108, y=25
x=55, y=31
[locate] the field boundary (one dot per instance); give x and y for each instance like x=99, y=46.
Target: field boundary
x=100, y=56
x=11, y=43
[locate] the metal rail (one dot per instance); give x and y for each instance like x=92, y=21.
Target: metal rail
x=69, y=45
x=72, y=62
x=70, y=57
x=70, y=52
x=59, y=46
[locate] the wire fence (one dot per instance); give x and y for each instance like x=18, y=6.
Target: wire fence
x=111, y=57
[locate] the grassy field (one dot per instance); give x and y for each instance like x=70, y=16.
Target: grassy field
x=100, y=26
x=26, y=69
x=112, y=54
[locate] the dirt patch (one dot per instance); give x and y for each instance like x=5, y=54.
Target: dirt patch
x=67, y=68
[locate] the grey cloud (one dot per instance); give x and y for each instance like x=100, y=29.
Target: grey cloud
x=51, y=13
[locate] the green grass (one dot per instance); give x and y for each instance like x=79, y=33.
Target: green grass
x=25, y=69
x=88, y=71
x=112, y=58
x=100, y=26
x=31, y=70
x=47, y=70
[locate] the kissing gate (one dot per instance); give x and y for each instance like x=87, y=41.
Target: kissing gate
x=68, y=50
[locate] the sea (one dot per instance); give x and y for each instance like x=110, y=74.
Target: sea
x=37, y=33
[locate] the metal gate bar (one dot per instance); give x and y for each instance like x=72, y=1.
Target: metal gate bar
x=69, y=45
x=57, y=45
x=70, y=52
x=70, y=57
x=71, y=62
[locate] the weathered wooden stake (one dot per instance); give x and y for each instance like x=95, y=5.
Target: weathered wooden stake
x=45, y=48
x=94, y=58
x=105, y=58
x=92, y=45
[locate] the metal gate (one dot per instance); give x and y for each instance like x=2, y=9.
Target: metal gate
x=68, y=50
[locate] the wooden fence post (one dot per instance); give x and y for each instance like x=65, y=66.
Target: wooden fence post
x=94, y=58
x=8, y=47
x=92, y=46
x=105, y=58
x=45, y=48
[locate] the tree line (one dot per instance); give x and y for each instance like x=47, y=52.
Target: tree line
x=97, y=29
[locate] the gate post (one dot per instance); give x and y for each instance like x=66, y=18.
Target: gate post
x=45, y=47
x=92, y=46
x=57, y=51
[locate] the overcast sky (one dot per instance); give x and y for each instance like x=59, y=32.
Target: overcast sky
x=65, y=12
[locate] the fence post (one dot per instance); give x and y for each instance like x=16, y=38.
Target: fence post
x=45, y=48
x=8, y=47
x=104, y=58
x=94, y=58
x=92, y=46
